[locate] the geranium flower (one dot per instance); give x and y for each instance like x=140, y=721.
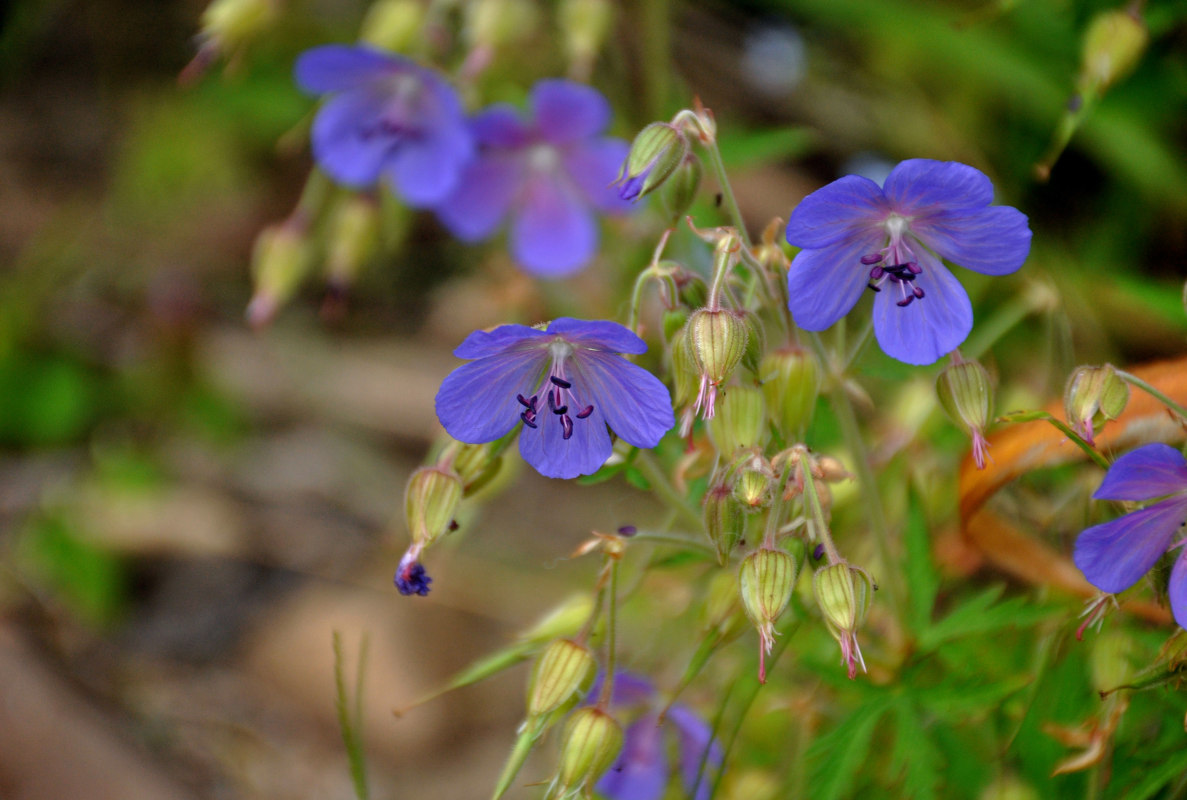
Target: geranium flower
x=857, y=235
x=642, y=769
x=548, y=174
x=1114, y=555
x=387, y=117
x=563, y=385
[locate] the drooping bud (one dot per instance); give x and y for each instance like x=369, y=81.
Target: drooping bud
x=966, y=394
x=756, y=342
x=766, y=580
x=564, y=620
x=717, y=340
x=740, y=420
x=227, y=27
x=491, y=24
x=694, y=292
x=724, y=521
x=1113, y=46
x=393, y=25
x=1112, y=652
x=280, y=261
x=722, y=611
x=561, y=674
x=431, y=499
x=753, y=489
x=584, y=25
x=590, y=743
x=680, y=190
x=844, y=593
x=791, y=383
x=353, y=239
x=1093, y=395
x=655, y=154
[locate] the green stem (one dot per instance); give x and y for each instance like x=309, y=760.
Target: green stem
x=1134, y=380
x=817, y=516
x=611, y=633
x=675, y=540
x=1076, y=439
x=645, y=462
x=717, y=166
x=871, y=498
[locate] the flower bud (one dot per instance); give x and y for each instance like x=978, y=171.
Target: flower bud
x=1111, y=662
x=756, y=341
x=724, y=521
x=590, y=743
x=766, y=580
x=430, y=500
x=966, y=394
x=740, y=420
x=694, y=292
x=498, y=23
x=790, y=383
x=722, y=611
x=753, y=489
x=232, y=23
x=684, y=372
x=1093, y=395
x=844, y=593
x=584, y=25
x=280, y=261
x=561, y=673
x=1113, y=46
x=472, y=463
x=717, y=340
x=393, y=25
x=655, y=154
x=564, y=620
x=680, y=190
x=353, y=238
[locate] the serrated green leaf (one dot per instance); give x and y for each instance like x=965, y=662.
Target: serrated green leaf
x=980, y=615
x=838, y=754
x=922, y=579
x=915, y=753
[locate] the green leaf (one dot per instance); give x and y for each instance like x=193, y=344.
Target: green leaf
x=980, y=615
x=915, y=752
x=922, y=579
x=1157, y=776
x=838, y=754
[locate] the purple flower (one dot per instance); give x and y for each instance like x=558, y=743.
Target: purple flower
x=642, y=769
x=1114, y=555
x=855, y=235
x=387, y=117
x=564, y=385
x=548, y=175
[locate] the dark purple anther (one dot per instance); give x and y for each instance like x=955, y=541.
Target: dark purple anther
x=818, y=552
x=585, y=412
x=872, y=258
x=914, y=268
x=523, y=402
x=559, y=382
x=413, y=580
x=529, y=421
x=918, y=292
x=567, y=426
x=627, y=530
x=876, y=273
x=906, y=301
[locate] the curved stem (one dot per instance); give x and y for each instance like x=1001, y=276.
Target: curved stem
x=817, y=517
x=611, y=632
x=727, y=192
x=658, y=479
x=871, y=498
x=1134, y=380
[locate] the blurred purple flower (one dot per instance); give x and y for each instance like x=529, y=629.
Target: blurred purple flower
x=1114, y=555
x=549, y=175
x=855, y=234
x=386, y=117
x=564, y=384
x=642, y=769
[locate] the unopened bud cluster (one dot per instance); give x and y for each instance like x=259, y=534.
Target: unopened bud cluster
x=766, y=580
x=966, y=395
x=843, y=593
x=1094, y=395
x=590, y=743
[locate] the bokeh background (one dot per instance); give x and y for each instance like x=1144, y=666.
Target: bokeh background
x=190, y=508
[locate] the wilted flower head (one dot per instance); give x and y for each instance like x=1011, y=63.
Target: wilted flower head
x=1114, y=555
x=387, y=117
x=642, y=769
x=548, y=174
x=857, y=235
x=564, y=385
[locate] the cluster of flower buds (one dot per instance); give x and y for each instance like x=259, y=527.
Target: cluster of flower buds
x=661, y=159
x=584, y=25
x=843, y=593
x=282, y=257
x=591, y=741
x=717, y=341
x=1092, y=396
x=966, y=394
x=228, y=26
x=393, y=25
x=766, y=580
x=1113, y=46
x=790, y=383
x=561, y=675
x=740, y=421
x=353, y=240
x=823, y=469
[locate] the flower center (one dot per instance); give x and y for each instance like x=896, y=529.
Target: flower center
x=543, y=158
x=400, y=98
x=558, y=393
x=895, y=263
